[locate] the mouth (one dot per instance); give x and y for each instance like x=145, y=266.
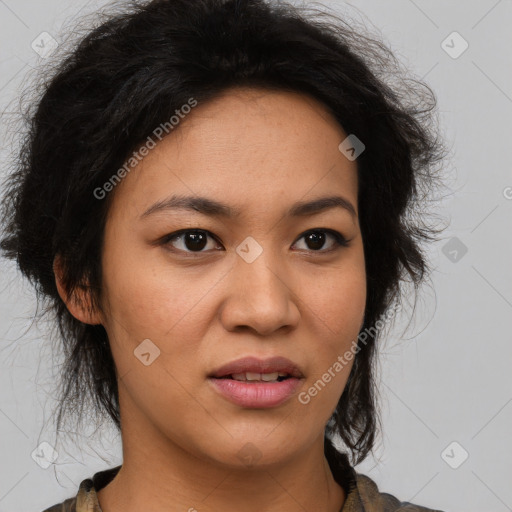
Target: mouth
x=255, y=383
x=254, y=369
x=257, y=377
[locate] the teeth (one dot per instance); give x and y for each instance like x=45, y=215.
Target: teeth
x=266, y=377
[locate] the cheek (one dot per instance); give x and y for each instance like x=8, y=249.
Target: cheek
x=149, y=296
x=336, y=304
x=336, y=301
x=157, y=312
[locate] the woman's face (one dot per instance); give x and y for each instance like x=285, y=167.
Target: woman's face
x=251, y=283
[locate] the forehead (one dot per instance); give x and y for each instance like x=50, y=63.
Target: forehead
x=246, y=147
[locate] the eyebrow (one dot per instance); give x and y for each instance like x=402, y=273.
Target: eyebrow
x=215, y=208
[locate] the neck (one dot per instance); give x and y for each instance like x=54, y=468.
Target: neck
x=161, y=476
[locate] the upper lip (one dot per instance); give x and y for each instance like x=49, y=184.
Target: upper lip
x=255, y=365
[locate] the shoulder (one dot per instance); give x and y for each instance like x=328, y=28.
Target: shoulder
x=85, y=500
x=68, y=505
x=375, y=501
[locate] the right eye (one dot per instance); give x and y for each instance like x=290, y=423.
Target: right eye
x=188, y=240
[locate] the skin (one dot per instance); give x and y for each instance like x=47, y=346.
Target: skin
x=261, y=152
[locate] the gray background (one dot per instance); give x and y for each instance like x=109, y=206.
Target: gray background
x=447, y=379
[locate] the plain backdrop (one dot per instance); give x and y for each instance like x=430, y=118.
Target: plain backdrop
x=446, y=384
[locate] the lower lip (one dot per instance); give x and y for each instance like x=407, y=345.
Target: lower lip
x=256, y=394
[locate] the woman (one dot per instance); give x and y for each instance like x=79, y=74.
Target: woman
x=215, y=198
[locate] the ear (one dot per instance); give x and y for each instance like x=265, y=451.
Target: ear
x=79, y=303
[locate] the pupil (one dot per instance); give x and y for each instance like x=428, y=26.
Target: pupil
x=195, y=240
x=317, y=239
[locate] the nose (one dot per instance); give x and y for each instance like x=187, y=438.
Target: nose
x=259, y=297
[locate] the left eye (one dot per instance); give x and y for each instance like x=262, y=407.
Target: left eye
x=317, y=237
x=195, y=240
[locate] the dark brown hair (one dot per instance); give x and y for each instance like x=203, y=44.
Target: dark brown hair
x=130, y=74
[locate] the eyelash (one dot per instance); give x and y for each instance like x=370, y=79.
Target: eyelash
x=339, y=239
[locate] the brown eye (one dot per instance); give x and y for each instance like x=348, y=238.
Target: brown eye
x=197, y=241
x=316, y=239
x=189, y=240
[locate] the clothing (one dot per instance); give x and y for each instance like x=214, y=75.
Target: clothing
x=362, y=493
